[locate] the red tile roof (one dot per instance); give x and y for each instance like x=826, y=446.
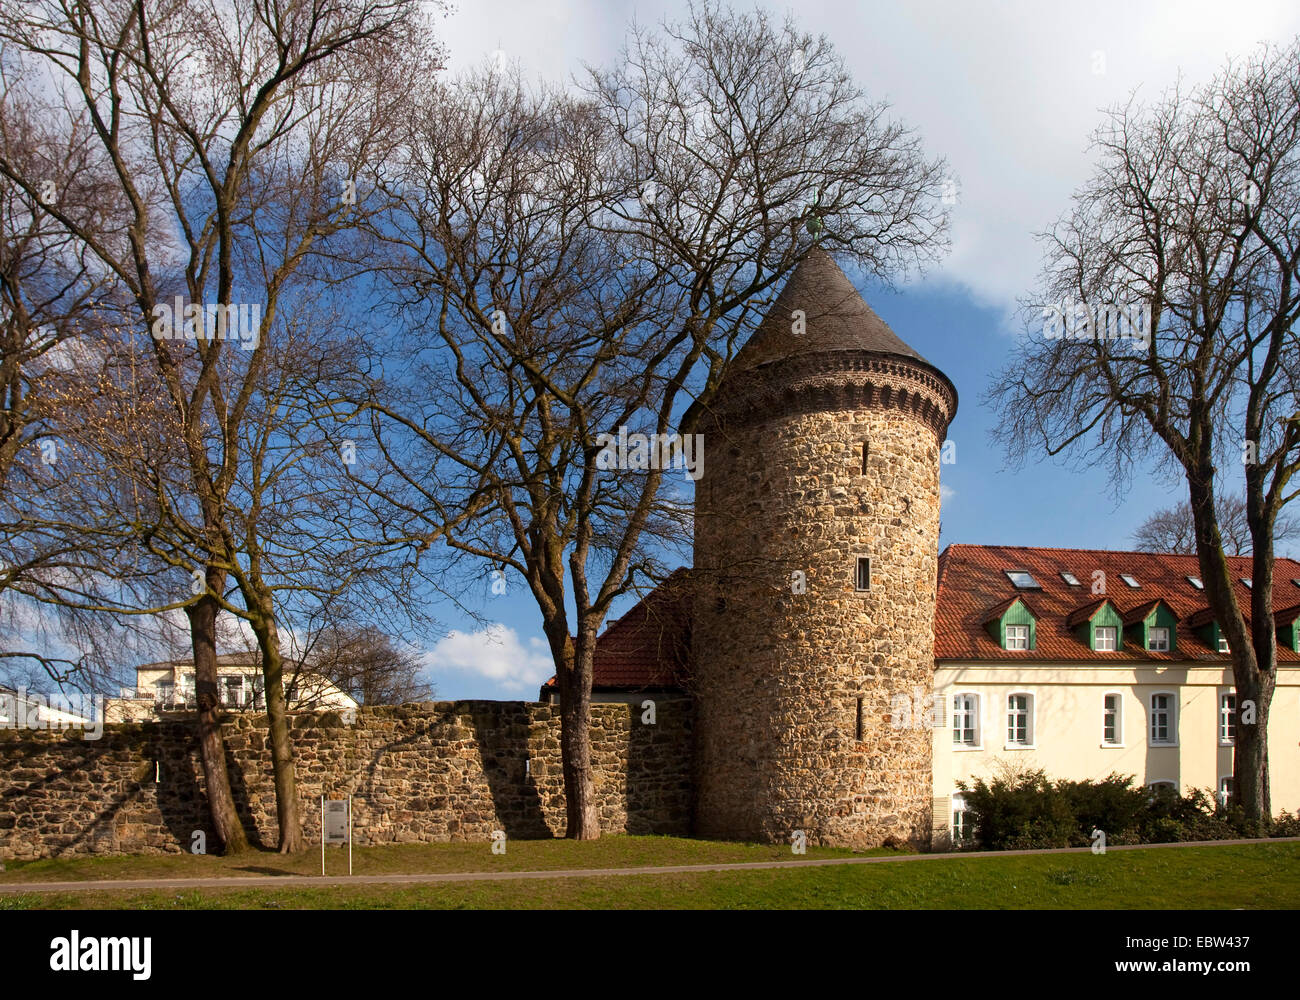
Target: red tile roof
x=1139, y=614
x=647, y=648
x=1086, y=612
x=972, y=580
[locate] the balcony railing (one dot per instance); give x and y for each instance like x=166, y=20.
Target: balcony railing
x=176, y=701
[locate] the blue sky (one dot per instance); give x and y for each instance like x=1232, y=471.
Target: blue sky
x=1009, y=93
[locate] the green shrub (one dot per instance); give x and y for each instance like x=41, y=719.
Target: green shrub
x=1285, y=825
x=1112, y=805
x=1024, y=810
x=1018, y=812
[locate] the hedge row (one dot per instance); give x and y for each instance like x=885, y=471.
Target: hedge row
x=1026, y=810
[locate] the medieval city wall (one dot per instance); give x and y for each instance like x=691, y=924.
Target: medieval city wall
x=417, y=773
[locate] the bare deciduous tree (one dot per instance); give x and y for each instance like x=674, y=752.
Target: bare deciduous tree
x=586, y=264
x=1173, y=529
x=199, y=110
x=1170, y=294
x=366, y=664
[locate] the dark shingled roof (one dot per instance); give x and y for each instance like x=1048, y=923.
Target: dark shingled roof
x=837, y=319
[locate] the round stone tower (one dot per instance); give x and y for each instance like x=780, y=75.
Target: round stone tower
x=816, y=547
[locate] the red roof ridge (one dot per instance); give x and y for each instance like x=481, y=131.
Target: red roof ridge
x=1140, y=612
x=1111, y=552
x=999, y=609
x=1085, y=612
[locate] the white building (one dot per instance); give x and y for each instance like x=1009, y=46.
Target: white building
x=169, y=687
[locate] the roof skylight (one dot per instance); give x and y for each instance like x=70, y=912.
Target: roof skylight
x=1022, y=579
x=1071, y=579
x=1130, y=581
x=1195, y=581
x=1245, y=581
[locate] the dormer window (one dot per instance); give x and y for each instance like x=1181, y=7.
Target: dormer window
x=1071, y=579
x=1022, y=579
x=1098, y=625
x=1011, y=624
x=1195, y=581
x=1245, y=581
x=1130, y=581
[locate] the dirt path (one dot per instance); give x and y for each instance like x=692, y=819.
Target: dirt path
x=287, y=881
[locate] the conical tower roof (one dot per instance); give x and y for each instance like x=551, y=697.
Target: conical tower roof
x=835, y=319
x=843, y=356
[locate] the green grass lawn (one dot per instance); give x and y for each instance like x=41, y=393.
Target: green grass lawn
x=613, y=851
x=1257, y=876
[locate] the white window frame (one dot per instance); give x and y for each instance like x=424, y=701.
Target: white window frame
x=960, y=831
x=1224, y=795
x=226, y=680
x=1114, y=639
x=976, y=717
x=1222, y=716
x=1119, y=720
x=1153, y=785
x=1151, y=639
x=1024, y=638
x=1171, y=725
x=1031, y=736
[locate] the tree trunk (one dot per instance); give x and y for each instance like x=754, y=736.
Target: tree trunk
x=1250, y=751
x=212, y=745
x=574, y=670
x=286, y=786
x=1253, y=685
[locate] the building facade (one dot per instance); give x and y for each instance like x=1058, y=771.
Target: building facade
x=166, y=688
x=846, y=676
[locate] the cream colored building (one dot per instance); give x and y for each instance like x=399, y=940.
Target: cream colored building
x=1143, y=687
x=167, y=688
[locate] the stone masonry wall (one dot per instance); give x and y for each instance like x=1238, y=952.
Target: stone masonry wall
x=782, y=744
x=429, y=772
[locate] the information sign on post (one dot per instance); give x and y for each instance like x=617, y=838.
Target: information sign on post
x=336, y=826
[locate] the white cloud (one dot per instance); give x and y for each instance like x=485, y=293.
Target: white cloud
x=946, y=493
x=496, y=654
x=1008, y=92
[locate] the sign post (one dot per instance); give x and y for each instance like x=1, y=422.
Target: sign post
x=336, y=826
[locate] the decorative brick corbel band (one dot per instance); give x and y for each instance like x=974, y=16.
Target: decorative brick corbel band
x=835, y=380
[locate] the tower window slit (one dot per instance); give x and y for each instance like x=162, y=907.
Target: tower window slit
x=862, y=576
x=865, y=450
x=859, y=721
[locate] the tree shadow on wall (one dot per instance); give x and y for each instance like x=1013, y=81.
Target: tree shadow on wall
x=503, y=753
x=182, y=799
x=69, y=773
